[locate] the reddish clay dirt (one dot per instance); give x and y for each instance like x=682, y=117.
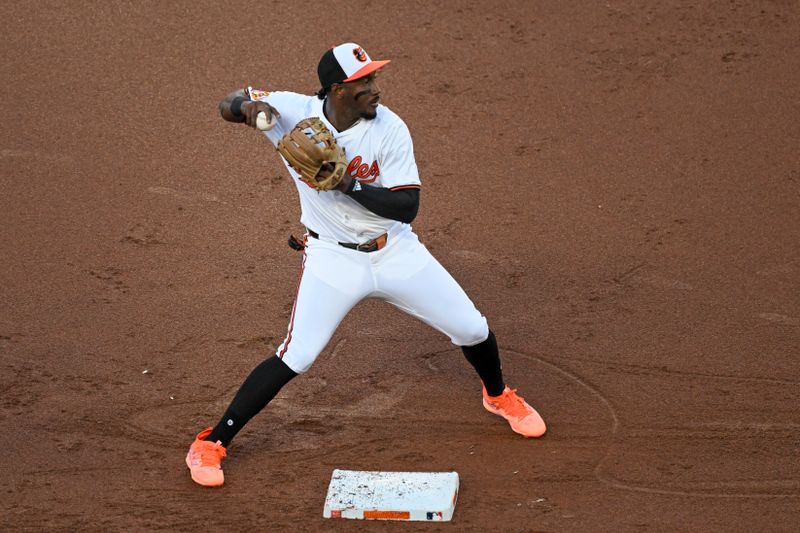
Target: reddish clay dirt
x=617, y=187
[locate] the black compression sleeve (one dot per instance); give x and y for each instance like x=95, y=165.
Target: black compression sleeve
x=485, y=358
x=258, y=389
x=399, y=205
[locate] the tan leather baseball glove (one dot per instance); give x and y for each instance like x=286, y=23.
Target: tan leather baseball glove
x=310, y=148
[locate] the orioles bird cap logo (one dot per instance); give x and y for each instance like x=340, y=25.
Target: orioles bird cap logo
x=360, y=54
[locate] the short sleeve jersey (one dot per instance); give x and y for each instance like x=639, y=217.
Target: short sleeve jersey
x=379, y=151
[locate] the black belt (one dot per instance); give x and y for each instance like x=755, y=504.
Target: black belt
x=370, y=246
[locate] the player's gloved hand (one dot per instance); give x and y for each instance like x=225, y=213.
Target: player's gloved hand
x=325, y=172
x=252, y=108
x=312, y=151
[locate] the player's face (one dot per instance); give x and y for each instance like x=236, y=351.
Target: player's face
x=364, y=94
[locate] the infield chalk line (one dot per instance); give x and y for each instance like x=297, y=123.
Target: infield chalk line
x=615, y=425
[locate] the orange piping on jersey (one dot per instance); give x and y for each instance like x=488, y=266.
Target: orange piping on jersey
x=294, y=307
x=400, y=187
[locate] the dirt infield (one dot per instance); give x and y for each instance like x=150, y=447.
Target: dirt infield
x=617, y=188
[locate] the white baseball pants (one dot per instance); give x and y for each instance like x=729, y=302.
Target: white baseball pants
x=404, y=273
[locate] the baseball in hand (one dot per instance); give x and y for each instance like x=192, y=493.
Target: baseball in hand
x=263, y=124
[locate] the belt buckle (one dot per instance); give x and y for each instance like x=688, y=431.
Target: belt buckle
x=368, y=246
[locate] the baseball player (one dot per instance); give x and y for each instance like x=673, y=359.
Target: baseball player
x=353, y=165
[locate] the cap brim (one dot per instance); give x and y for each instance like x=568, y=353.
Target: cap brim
x=368, y=69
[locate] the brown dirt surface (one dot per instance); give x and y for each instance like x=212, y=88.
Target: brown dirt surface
x=616, y=184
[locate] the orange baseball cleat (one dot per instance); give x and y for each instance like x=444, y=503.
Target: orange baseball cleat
x=522, y=417
x=204, y=460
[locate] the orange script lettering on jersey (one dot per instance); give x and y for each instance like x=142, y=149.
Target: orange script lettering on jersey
x=364, y=172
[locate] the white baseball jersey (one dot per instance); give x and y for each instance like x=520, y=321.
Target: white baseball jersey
x=379, y=151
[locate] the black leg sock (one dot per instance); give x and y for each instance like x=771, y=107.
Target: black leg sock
x=256, y=392
x=486, y=360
